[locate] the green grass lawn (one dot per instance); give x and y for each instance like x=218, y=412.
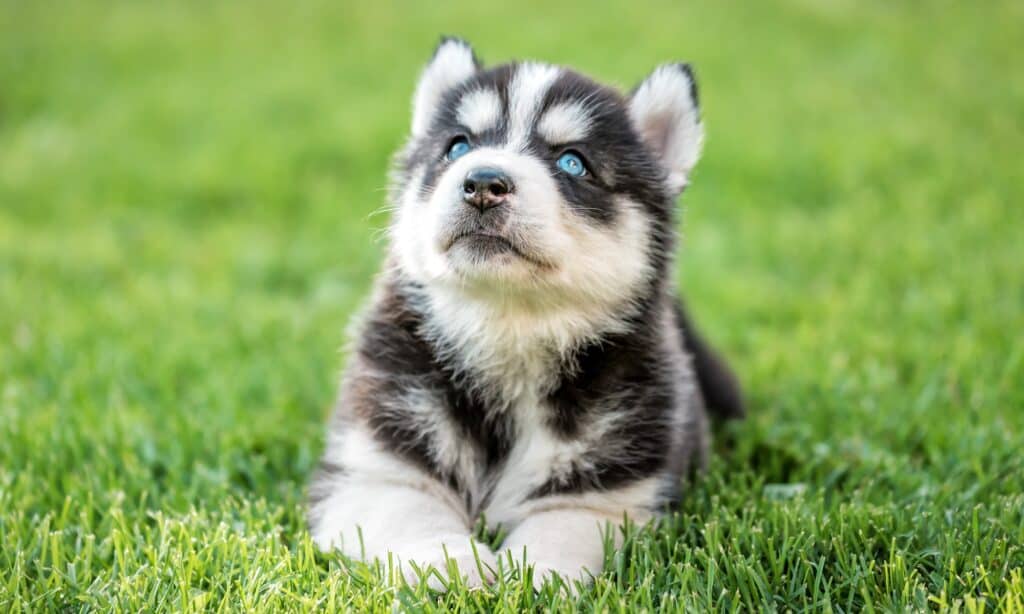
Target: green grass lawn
x=187, y=198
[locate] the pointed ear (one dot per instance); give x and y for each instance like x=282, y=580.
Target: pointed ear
x=665, y=112
x=453, y=63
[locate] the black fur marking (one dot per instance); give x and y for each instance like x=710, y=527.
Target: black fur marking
x=621, y=375
x=621, y=165
x=393, y=343
x=694, y=93
x=619, y=162
x=592, y=196
x=446, y=126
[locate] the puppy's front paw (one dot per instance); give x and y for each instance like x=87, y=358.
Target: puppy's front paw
x=474, y=569
x=568, y=573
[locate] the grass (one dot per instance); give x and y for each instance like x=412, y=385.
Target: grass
x=186, y=225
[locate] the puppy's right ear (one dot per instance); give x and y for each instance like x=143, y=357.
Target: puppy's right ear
x=666, y=114
x=453, y=63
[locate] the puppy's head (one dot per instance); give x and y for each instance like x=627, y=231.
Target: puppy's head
x=532, y=181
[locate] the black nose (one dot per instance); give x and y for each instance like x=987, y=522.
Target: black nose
x=486, y=187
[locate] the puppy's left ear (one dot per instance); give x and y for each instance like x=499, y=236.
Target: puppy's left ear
x=453, y=62
x=666, y=114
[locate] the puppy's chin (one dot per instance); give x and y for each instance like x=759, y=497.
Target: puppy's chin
x=489, y=258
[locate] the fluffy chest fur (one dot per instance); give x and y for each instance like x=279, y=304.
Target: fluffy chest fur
x=509, y=421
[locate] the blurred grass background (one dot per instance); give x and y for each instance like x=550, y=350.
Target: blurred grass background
x=187, y=198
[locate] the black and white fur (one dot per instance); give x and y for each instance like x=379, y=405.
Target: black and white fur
x=528, y=360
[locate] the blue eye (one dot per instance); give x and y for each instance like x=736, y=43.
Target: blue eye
x=572, y=163
x=458, y=148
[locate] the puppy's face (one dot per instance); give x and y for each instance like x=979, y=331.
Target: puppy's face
x=531, y=181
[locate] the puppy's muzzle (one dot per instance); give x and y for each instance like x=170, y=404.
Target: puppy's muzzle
x=486, y=187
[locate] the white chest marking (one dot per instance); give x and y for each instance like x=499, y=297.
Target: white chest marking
x=538, y=455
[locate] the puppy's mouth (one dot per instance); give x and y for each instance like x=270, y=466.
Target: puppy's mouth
x=484, y=246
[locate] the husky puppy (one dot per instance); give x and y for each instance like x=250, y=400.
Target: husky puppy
x=525, y=357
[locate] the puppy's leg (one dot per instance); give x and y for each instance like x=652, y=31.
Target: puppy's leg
x=565, y=541
x=369, y=503
x=564, y=533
